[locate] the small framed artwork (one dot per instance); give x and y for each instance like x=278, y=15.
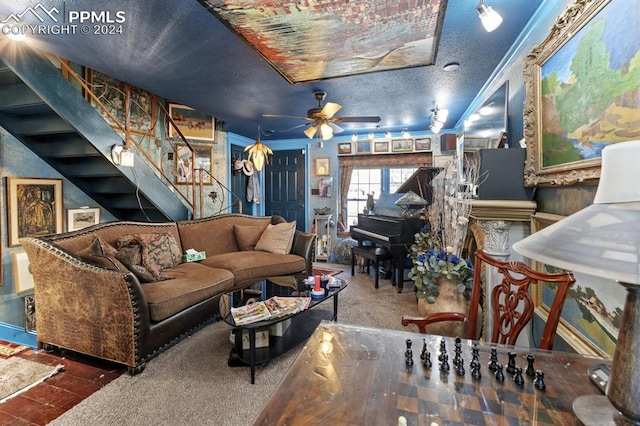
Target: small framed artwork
x=34, y=208
x=422, y=144
x=81, y=218
x=203, y=161
x=191, y=123
x=363, y=147
x=325, y=187
x=22, y=277
x=322, y=166
x=401, y=145
x=30, y=313
x=381, y=146
x=344, y=148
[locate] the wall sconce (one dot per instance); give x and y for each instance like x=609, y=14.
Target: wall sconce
x=122, y=156
x=489, y=17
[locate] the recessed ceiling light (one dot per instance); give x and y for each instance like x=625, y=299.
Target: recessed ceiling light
x=451, y=66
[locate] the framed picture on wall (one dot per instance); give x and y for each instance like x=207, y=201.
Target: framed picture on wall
x=81, y=218
x=363, y=147
x=344, y=148
x=422, y=144
x=591, y=313
x=402, y=145
x=34, y=208
x=203, y=160
x=381, y=146
x=322, y=166
x=22, y=277
x=192, y=124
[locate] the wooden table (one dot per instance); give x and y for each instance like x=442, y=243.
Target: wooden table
x=351, y=375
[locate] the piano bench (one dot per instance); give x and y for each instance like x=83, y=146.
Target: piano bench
x=375, y=254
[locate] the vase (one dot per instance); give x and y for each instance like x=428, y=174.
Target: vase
x=449, y=300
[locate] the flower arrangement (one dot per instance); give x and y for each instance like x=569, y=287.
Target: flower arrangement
x=430, y=262
x=436, y=251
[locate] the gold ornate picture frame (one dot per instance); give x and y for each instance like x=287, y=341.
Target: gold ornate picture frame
x=322, y=166
x=34, y=208
x=577, y=91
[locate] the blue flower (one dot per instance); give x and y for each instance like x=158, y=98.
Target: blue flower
x=422, y=257
x=441, y=255
x=454, y=259
x=469, y=263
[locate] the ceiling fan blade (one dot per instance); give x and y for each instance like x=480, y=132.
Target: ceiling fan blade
x=295, y=127
x=356, y=119
x=335, y=127
x=329, y=109
x=311, y=131
x=287, y=116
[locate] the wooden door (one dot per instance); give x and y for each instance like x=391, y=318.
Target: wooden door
x=284, y=182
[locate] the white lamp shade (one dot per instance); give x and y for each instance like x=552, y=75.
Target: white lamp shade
x=489, y=17
x=603, y=239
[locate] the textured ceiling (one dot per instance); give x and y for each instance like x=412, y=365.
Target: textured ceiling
x=182, y=52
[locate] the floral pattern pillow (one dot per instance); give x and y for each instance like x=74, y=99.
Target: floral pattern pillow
x=148, y=255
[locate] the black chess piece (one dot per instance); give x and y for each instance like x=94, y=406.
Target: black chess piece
x=444, y=365
x=511, y=364
x=443, y=349
x=539, y=380
x=499, y=373
x=408, y=355
x=475, y=371
x=493, y=360
x=517, y=377
x=530, y=371
x=424, y=352
x=460, y=368
x=426, y=362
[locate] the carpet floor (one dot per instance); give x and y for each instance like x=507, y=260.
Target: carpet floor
x=192, y=384
x=18, y=375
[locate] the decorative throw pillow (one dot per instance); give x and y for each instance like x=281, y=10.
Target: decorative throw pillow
x=278, y=238
x=148, y=255
x=101, y=254
x=247, y=236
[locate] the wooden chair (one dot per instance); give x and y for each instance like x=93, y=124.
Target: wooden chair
x=512, y=305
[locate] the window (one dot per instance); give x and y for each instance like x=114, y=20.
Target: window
x=376, y=180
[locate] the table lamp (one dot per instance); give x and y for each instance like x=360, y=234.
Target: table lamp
x=603, y=240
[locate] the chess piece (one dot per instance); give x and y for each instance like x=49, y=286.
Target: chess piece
x=539, y=380
x=460, y=368
x=443, y=349
x=517, y=377
x=426, y=362
x=408, y=355
x=424, y=352
x=511, y=364
x=499, y=373
x=475, y=370
x=444, y=364
x=493, y=360
x=530, y=371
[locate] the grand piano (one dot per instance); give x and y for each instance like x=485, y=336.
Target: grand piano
x=387, y=227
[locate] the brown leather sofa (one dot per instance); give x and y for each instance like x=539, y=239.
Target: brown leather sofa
x=102, y=309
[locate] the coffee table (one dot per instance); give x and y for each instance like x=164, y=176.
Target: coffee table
x=302, y=323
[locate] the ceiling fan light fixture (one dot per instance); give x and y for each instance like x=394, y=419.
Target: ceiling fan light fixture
x=489, y=17
x=326, y=132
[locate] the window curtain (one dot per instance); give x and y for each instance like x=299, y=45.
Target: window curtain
x=348, y=163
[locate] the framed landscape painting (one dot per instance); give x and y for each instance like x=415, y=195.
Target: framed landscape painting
x=192, y=124
x=34, y=208
x=592, y=311
x=581, y=86
x=184, y=166
x=81, y=218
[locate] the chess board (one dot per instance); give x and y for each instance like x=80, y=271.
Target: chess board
x=364, y=379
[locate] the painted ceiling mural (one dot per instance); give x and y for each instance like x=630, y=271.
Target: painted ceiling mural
x=314, y=40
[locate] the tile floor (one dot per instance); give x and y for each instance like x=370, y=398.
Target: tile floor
x=45, y=402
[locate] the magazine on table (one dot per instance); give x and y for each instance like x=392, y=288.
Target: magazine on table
x=273, y=307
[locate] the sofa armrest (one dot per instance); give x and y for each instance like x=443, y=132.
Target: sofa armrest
x=86, y=308
x=303, y=245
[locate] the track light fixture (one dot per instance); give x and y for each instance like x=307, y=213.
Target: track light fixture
x=438, y=119
x=489, y=17
x=405, y=134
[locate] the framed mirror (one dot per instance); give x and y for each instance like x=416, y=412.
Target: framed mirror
x=487, y=126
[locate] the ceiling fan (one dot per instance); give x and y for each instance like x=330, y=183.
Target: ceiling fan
x=321, y=120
